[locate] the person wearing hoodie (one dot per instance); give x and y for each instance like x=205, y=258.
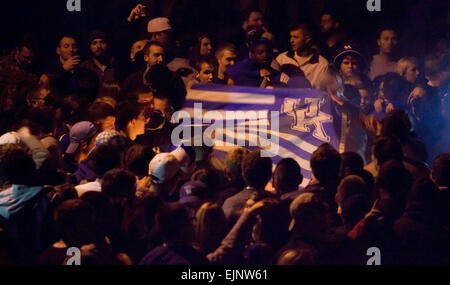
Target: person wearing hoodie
x=23, y=206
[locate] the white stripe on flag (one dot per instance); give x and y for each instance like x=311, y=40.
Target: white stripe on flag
x=227, y=97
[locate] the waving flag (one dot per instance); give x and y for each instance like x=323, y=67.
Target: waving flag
x=282, y=122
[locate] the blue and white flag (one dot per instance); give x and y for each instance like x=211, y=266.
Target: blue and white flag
x=282, y=122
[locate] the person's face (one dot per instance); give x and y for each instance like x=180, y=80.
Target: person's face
x=206, y=73
x=163, y=105
x=155, y=56
x=24, y=56
x=146, y=99
x=227, y=59
x=418, y=102
x=99, y=47
x=436, y=80
x=262, y=54
x=38, y=100
x=67, y=48
x=205, y=46
x=161, y=37
x=349, y=66
x=256, y=20
x=298, y=40
x=108, y=124
x=365, y=98
x=412, y=72
x=326, y=23
x=387, y=41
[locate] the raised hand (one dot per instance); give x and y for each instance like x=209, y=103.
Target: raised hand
x=137, y=12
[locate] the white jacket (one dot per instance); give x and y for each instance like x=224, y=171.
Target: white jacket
x=315, y=67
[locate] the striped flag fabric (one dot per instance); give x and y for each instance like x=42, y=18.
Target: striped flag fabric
x=282, y=122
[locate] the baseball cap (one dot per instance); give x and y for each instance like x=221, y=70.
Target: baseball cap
x=346, y=49
x=186, y=156
x=10, y=138
x=160, y=24
x=304, y=206
x=163, y=167
x=192, y=192
x=79, y=132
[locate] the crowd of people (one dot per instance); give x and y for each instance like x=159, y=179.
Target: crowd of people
x=86, y=158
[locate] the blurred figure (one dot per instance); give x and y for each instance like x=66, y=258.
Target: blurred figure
x=23, y=205
x=210, y=226
x=205, y=72
x=409, y=68
x=202, y=48
x=302, y=60
x=101, y=61
x=384, y=61
x=175, y=223
x=153, y=55
x=286, y=179
x=16, y=71
x=354, y=201
x=226, y=57
x=256, y=171
x=255, y=71
x=308, y=227
x=65, y=74
x=331, y=34
x=393, y=92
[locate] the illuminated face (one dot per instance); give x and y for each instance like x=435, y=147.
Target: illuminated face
x=138, y=124
x=349, y=66
x=298, y=40
x=262, y=54
x=412, y=72
x=155, y=56
x=256, y=20
x=381, y=91
x=67, y=48
x=24, y=56
x=387, y=41
x=326, y=23
x=205, y=46
x=98, y=47
x=226, y=60
x=206, y=73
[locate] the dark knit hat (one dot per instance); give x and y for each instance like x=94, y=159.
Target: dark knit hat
x=97, y=34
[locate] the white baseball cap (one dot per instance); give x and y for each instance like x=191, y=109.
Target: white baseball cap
x=10, y=138
x=160, y=24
